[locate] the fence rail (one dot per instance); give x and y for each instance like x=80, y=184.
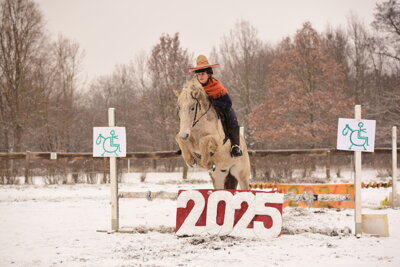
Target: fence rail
x=319, y=152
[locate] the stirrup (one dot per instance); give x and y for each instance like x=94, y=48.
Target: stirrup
x=235, y=151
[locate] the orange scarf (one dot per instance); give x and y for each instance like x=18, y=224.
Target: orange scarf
x=215, y=89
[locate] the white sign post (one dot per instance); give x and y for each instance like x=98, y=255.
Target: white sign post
x=357, y=181
x=359, y=136
x=111, y=142
x=394, y=166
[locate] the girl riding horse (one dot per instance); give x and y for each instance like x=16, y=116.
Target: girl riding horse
x=220, y=100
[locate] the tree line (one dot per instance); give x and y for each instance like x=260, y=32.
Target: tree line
x=288, y=95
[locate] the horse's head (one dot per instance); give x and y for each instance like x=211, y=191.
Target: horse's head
x=192, y=102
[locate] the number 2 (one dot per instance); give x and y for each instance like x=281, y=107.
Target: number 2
x=189, y=225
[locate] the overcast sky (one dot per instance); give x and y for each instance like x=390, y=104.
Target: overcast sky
x=115, y=31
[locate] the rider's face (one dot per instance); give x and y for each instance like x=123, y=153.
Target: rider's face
x=202, y=77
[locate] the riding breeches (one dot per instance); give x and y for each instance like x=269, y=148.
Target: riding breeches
x=223, y=107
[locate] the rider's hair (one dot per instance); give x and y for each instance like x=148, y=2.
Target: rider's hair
x=207, y=70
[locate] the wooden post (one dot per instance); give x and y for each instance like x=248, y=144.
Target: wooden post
x=105, y=170
x=394, y=166
x=328, y=164
x=113, y=179
x=27, y=163
x=357, y=182
x=129, y=165
x=185, y=171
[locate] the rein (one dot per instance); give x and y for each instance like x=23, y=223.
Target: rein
x=198, y=107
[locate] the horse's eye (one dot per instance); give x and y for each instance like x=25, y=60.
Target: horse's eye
x=192, y=108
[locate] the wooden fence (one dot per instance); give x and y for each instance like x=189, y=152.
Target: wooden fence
x=319, y=152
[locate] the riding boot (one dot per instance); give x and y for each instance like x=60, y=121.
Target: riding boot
x=235, y=141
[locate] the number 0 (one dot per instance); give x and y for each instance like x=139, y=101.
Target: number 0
x=214, y=199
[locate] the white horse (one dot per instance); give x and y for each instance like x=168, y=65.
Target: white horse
x=201, y=138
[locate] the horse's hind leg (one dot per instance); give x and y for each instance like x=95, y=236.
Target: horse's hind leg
x=244, y=184
x=223, y=180
x=242, y=175
x=230, y=182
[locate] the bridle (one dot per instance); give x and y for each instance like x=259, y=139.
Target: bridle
x=198, y=107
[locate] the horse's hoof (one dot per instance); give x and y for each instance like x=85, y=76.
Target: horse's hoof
x=191, y=165
x=213, y=168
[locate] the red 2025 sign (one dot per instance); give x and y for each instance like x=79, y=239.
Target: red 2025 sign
x=229, y=212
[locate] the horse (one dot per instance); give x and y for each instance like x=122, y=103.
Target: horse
x=356, y=138
x=201, y=139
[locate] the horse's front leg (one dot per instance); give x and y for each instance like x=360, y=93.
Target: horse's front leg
x=185, y=147
x=218, y=179
x=208, y=146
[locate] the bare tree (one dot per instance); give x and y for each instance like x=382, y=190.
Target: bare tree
x=359, y=58
x=67, y=58
x=386, y=50
x=336, y=42
x=21, y=35
x=123, y=90
x=387, y=20
x=245, y=60
x=167, y=68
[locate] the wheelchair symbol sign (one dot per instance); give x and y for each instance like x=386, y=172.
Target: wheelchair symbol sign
x=109, y=142
x=356, y=135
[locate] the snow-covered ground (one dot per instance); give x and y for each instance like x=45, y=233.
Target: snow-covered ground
x=56, y=226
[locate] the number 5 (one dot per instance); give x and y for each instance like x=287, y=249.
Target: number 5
x=260, y=209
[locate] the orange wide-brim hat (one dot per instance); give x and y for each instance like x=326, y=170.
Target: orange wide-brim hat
x=202, y=63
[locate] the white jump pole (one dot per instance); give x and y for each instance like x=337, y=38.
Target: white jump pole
x=394, y=166
x=357, y=181
x=113, y=179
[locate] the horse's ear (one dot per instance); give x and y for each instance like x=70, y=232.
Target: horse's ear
x=195, y=93
x=176, y=92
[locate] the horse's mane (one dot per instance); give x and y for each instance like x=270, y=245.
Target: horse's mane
x=189, y=88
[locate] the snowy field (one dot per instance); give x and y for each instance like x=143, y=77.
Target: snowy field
x=56, y=225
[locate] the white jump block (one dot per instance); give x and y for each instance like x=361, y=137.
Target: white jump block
x=375, y=224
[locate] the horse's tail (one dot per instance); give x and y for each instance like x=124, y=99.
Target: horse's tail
x=230, y=182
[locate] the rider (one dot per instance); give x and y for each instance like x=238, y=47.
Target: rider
x=220, y=100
